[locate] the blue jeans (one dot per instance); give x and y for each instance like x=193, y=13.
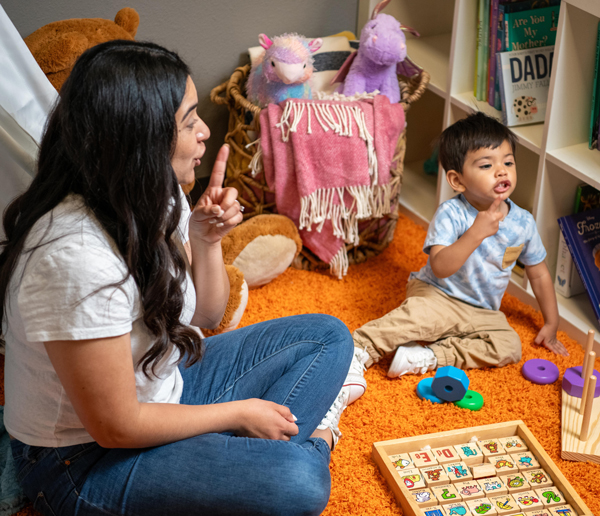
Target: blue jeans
x=299, y=362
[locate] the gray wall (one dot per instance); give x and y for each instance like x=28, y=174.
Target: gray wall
x=212, y=37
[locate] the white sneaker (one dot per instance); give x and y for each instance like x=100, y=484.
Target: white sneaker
x=332, y=418
x=355, y=381
x=412, y=358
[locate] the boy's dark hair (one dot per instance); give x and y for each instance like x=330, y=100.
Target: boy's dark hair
x=476, y=131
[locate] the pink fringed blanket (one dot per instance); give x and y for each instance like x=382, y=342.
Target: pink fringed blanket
x=328, y=162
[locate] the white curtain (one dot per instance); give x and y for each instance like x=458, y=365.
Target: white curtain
x=26, y=98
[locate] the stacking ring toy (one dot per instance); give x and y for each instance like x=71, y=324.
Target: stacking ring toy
x=540, y=371
x=472, y=401
x=425, y=393
x=450, y=383
x=572, y=382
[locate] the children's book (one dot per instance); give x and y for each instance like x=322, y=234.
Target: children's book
x=483, y=17
x=596, y=146
x=486, y=51
x=517, y=7
x=477, y=42
x=524, y=82
x=567, y=281
x=586, y=198
x=494, y=6
x=532, y=28
x=582, y=235
x=512, y=6
x=593, y=138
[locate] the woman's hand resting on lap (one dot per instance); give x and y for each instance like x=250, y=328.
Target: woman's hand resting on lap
x=265, y=420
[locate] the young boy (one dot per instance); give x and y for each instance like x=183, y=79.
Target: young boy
x=473, y=242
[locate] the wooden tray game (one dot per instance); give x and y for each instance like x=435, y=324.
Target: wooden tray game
x=570, y=504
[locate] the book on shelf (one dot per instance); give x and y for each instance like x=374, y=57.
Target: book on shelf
x=567, y=281
x=481, y=64
x=524, y=77
x=582, y=235
x=598, y=125
x=493, y=45
x=586, y=198
x=529, y=29
x=595, y=111
x=512, y=6
x=502, y=6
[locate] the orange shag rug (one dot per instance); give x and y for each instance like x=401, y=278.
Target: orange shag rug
x=390, y=409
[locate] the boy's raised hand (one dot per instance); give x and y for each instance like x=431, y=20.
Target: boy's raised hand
x=487, y=222
x=547, y=338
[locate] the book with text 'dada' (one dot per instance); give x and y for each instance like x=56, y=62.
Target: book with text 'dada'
x=524, y=77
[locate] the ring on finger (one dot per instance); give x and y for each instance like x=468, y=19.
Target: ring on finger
x=239, y=204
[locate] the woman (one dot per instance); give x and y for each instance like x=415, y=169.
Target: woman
x=115, y=403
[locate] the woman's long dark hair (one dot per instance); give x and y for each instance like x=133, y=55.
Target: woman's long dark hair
x=110, y=139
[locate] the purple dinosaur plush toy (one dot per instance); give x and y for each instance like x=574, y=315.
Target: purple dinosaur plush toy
x=379, y=59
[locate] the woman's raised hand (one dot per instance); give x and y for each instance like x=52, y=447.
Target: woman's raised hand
x=217, y=211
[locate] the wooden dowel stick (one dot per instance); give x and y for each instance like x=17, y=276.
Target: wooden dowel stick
x=589, y=371
x=587, y=414
x=589, y=345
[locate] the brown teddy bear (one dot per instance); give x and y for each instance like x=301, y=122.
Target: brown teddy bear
x=254, y=252
x=57, y=46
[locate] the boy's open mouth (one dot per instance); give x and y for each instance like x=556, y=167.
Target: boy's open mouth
x=502, y=186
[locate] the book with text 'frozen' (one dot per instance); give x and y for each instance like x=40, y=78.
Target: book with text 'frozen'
x=524, y=77
x=567, y=281
x=582, y=235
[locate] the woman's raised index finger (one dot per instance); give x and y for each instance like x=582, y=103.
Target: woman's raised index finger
x=218, y=172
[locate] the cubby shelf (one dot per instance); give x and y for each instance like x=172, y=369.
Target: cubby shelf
x=432, y=53
x=552, y=158
x=418, y=191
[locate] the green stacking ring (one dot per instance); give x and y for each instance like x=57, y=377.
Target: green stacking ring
x=472, y=400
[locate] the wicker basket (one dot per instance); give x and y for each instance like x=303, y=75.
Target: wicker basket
x=255, y=195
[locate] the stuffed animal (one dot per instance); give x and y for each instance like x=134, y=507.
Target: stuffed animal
x=254, y=252
x=380, y=57
x=284, y=70
x=57, y=46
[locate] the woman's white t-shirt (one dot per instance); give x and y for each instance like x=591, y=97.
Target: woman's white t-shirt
x=61, y=291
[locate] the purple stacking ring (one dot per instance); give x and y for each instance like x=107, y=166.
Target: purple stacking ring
x=540, y=371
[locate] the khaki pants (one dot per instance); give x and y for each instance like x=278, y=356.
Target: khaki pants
x=463, y=335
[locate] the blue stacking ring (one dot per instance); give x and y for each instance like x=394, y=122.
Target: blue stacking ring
x=425, y=392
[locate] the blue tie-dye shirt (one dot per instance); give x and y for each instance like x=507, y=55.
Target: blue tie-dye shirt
x=483, y=278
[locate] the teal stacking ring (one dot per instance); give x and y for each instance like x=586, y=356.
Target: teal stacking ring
x=472, y=400
x=425, y=392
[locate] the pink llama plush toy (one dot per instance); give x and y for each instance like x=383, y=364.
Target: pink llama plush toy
x=284, y=70
x=380, y=57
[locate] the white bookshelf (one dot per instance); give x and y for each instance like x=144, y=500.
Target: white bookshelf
x=552, y=158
